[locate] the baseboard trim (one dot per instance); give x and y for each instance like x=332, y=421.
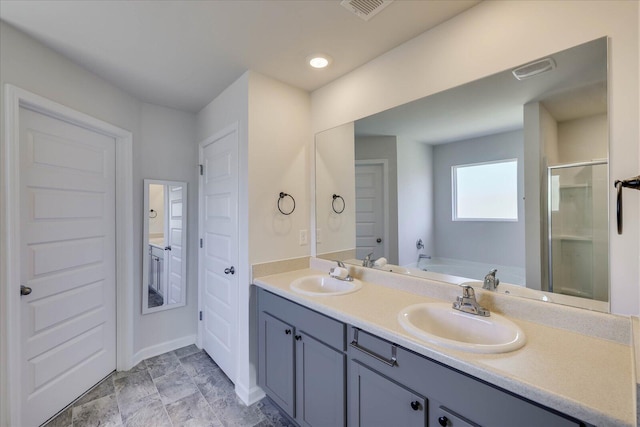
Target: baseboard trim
x=158, y=349
x=249, y=396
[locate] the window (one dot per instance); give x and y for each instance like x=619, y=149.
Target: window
x=485, y=191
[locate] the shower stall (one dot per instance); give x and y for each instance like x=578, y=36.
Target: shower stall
x=577, y=225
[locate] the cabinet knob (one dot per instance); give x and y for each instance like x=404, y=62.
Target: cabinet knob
x=298, y=337
x=287, y=331
x=443, y=421
x=415, y=405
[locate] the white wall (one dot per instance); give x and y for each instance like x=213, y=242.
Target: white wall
x=168, y=152
x=279, y=141
x=583, y=139
x=415, y=200
x=491, y=242
x=335, y=174
x=384, y=147
x=497, y=35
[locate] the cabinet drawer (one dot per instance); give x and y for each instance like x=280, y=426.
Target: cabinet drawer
x=471, y=400
x=330, y=331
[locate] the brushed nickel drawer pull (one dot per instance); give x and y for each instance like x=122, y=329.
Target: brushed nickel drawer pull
x=393, y=361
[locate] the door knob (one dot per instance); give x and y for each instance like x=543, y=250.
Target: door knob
x=167, y=248
x=25, y=290
x=379, y=240
x=230, y=270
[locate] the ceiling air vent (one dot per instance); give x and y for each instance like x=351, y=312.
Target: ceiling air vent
x=365, y=9
x=534, y=68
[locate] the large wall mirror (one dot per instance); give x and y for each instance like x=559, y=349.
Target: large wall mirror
x=165, y=246
x=509, y=172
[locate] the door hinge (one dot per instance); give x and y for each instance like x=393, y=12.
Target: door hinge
x=201, y=244
x=200, y=315
x=201, y=169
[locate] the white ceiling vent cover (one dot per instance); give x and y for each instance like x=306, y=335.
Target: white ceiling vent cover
x=534, y=68
x=365, y=9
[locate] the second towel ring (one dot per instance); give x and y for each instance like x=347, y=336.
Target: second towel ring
x=282, y=196
x=333, y=204
x=153, y=213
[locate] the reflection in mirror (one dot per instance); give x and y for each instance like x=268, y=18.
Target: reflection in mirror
x=418, y=170
x=165, y=234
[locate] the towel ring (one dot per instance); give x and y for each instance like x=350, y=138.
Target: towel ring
x=627, y=183
x=282, y=196
x=333, y=204
x=153, y=213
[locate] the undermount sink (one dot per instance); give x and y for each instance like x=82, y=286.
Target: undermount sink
x=439, y=323
x=519, y=291
x=324, y=285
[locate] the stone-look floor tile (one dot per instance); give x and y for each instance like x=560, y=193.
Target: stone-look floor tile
x=192, y=411
x=142, y=366
x=198, y=363
x=162, y=365
x=233, y=413
x=102, y=389
x=186, y=351
x=214, y=385
x=134, y=386
x=274, y=417
x=63, y=419
x=175, y=386
x=145, y=412
x=99, y=412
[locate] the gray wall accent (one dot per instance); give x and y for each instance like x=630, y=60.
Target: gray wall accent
x=481, y=241
x=384, y=147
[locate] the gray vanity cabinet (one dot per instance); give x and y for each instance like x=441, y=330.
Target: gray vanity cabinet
x=301, y=363
x=375, y=400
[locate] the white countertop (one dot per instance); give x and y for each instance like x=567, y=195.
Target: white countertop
x=590, y=378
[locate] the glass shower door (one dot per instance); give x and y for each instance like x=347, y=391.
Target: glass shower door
x=578, y=230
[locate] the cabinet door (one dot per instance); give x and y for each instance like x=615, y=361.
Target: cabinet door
x=320, y=383
x=276, y=369
x=442, y=416
x=376, y=401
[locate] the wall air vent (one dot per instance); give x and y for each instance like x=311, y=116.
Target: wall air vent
x=365, y=9
x=534, y=68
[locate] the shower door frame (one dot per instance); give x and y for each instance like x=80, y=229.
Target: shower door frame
x=550, y=169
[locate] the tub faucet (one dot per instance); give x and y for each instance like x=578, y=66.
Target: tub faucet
x=467, y=302
x=491, y=282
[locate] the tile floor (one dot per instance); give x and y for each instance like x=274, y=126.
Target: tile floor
x=179, y=388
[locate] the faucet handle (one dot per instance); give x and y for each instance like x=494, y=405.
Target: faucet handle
x=468, y=292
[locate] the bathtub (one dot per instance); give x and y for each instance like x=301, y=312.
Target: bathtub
x=469, y=269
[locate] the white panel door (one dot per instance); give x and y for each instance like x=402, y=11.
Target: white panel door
x=176, y=237
x=67, y=209
x=370, y=220
x=219, y=254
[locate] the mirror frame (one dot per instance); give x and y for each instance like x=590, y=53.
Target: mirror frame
x=145, y=252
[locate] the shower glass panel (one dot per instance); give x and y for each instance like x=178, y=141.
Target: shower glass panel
x=578, y=230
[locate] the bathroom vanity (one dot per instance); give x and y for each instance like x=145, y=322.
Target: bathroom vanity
x=346, y=360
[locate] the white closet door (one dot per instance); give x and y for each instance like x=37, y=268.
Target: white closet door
x=219, y=254
x=370, y=219
x=176, y=237
x=67, y=207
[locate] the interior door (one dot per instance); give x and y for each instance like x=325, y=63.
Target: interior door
x=175, y=249
x=67, y=210
x=219, y=253
x=370, y=218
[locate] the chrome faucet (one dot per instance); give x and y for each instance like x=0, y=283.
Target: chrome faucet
x=467, y=302
x=332, y=272
x=367, y=261
x=491, y=282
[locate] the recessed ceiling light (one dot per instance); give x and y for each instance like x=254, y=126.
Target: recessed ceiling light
x=319, y=60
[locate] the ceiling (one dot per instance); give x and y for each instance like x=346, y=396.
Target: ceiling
x=182, y=54
x=576, y=88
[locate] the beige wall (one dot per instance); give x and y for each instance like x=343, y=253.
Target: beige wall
x=494, y=36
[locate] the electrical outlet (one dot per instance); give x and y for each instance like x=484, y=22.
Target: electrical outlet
x=319, y=235
x=304, y=238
